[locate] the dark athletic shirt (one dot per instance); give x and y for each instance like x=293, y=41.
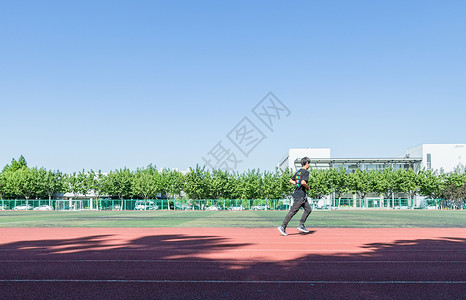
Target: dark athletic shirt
x=300, y=190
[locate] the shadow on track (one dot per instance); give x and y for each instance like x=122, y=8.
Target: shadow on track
x=173, y=266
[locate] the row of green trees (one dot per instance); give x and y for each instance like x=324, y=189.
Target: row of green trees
x=17, y=180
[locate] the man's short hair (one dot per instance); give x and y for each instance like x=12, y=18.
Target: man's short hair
x=305, y=160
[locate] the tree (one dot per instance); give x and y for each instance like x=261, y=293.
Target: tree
x=252, y=184
x=197, y=183
x=320, y=184
x=430, y=184
x=384, y=183
x=94, y=182
x=176, y=183
x=235, y=186
x=340, y=182
x=118, y=183
x=144, y=183
x=53, y=183
x=284, y=183
x=271, y=185
x=408, y=182
x=84, y=184
x=163, y=181
x=73, y=184
x=2, y=184
x=38, y=187
x=22, y=182
x=360, y=183
x=16, y=165
x=220, y=184
x=462, y=196
x=454, y=189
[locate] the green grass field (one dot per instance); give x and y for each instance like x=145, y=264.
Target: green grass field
x=248, y=219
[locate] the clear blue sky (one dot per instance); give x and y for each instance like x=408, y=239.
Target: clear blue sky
x=108, y=84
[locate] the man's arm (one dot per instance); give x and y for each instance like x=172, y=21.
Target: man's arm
x=304, y=183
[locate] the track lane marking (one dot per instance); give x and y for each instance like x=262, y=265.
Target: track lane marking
x=230, y=281
x=362, y=251
x=230, y=261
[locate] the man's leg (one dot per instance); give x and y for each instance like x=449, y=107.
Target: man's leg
x=294, y=209
x=306, y=213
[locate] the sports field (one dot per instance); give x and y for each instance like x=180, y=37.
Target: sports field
x=245, y=219
x=232, y=255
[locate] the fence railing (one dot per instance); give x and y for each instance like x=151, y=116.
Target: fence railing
x=206, y=204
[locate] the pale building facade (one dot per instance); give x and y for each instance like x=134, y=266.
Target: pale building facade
x=439, y=157
x=436, y=157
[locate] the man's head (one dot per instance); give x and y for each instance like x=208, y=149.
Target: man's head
x=305, y=162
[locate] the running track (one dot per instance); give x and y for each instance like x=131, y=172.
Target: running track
x=232, y=263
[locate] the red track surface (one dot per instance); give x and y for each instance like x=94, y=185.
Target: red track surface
x=232, y=263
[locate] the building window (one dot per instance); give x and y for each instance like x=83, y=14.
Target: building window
x=429, y=161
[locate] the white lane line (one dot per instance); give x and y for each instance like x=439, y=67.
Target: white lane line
x=365, y=250
x=26, y=221
x=230, y=281
x=229, y=261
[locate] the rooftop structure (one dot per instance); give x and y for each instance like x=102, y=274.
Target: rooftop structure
x=437, y=157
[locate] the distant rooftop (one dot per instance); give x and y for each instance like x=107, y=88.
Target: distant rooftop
x=359, y=161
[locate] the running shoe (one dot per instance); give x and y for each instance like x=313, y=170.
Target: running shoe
x=302, y=229
x=282, y=230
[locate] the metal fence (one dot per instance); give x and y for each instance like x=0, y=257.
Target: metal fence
x=206, y=204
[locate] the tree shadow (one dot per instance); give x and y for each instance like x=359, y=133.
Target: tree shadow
x=179, y=266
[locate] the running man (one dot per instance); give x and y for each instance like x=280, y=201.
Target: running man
x=299, y=180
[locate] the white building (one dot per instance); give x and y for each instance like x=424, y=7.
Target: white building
x=293, y=155
x=440, y=157
x=437, y=157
